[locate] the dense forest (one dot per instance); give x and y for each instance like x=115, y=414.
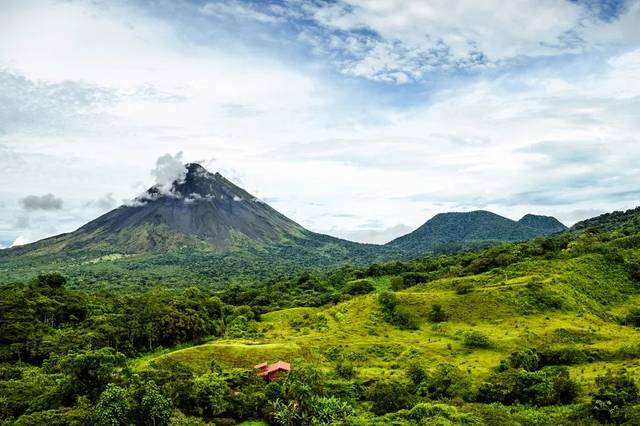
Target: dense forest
x=451, y=339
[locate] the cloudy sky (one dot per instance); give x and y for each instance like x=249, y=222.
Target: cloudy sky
x=358, y=118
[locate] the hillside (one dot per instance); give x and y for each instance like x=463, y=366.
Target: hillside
x=543, y=332
x=454, y=231
x=622, y=221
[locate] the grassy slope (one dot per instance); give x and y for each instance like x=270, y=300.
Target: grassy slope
x=541, y=304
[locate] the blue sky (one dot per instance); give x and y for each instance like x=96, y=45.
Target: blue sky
x=357, y=118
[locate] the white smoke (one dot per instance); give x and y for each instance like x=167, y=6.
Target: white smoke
x=169, y=168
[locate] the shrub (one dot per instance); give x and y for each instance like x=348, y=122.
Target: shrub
x=416, y=373
x=475, y=339
x=633, y=318
x=389, y=397
x=446, y=381
x=397, y=283
x=359, y=287
x=464, y=288
x=569, y=356
x=395, y=314
x=614, y=392
x=345, y=370
x=544, y=387
x=437, y=313
x=439, y=414
x=412, y=278
x=388, y=301
x=527, y=359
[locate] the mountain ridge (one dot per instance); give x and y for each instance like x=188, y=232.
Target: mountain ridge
x=202, y=226
x=480, y=227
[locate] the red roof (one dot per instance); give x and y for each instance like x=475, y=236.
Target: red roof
x=279, y=366
x=265, y=369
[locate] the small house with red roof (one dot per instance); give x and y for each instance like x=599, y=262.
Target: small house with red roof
x=270, y=372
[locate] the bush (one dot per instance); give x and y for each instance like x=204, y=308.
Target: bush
x=412, y=278
x=464, y=288
x=544, y=387
x=359, y=287
x=437, y=313
x=570, y=356
x=397, y=283
x=394, y=314
x=633, y=318
x=388, y=302
x=527, y=359
x=475, y=339
x=416, y=373
x=389, y=397
x=345, y=370
x=614, y=392
x=446, y=381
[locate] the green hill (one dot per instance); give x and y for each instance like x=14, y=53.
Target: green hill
x=454, y=231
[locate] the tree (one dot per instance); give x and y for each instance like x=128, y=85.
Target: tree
x=526, y=359
x=112, y=408
x=359, y=287
x=416, y=373
x=389, y=397
x=156, y=409
x=475, y=339
x=397, y=283
x=633, y=317
x=210, y=392
x=437, y=313
x=52, y=280
x=90, y=371
x=615, y=391
x=446, y=381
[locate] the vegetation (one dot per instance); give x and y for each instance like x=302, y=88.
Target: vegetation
x=540, y=332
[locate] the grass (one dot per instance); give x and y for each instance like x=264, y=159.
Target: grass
x=572, y=303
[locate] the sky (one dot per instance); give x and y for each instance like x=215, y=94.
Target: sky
x=357, y=118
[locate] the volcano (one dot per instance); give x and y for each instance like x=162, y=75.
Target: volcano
x=200, y=208
x=201, y=225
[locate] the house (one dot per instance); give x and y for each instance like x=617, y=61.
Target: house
x=270, y=372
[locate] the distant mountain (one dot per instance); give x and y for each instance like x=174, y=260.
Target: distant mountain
x=202, y=210
x=454, y=231
x=546, y=224
x=201, y=227
x=204, y=230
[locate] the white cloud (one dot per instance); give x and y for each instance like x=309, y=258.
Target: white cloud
x=101, y=90
x=20, y=241
x=372, y=236
x=400, y=41
x=41, y=202
x=235, y=9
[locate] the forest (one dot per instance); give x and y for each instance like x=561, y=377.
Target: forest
x=400, y=343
